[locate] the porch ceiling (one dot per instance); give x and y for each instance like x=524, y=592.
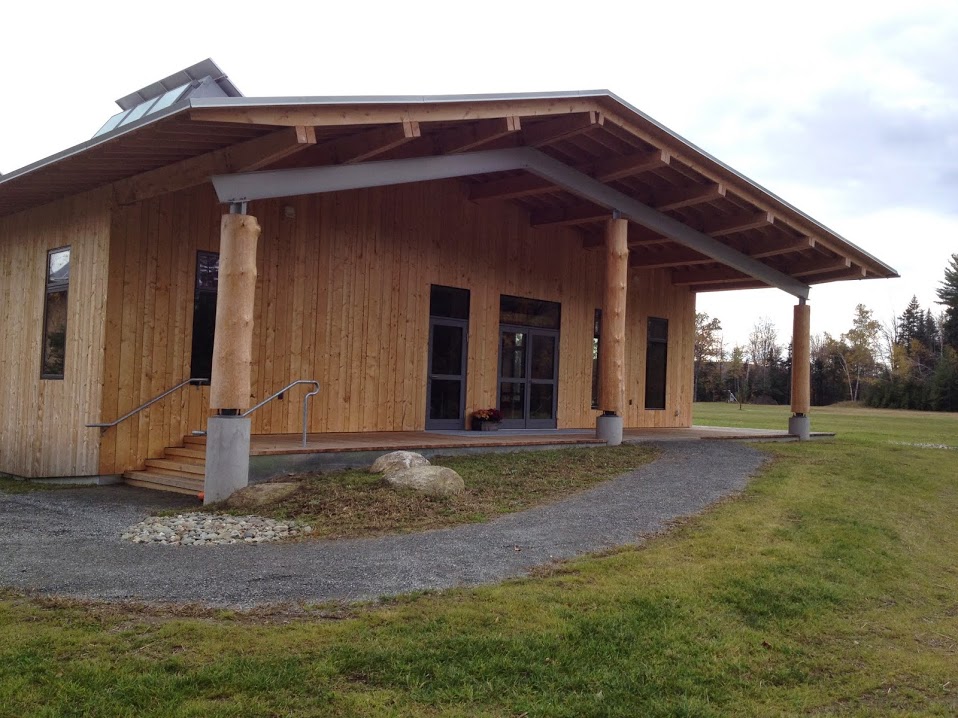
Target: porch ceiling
x=595, y=133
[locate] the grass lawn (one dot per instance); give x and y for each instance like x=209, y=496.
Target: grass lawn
x=830, y=588
x=356, y=503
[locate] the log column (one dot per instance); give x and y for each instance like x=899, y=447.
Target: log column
x=799, y=424
x=228, y=434
x=612, y=333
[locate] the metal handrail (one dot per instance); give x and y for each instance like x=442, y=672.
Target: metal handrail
x=151, y=402
x=282, y=391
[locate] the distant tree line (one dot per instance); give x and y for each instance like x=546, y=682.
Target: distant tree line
x=909, y=363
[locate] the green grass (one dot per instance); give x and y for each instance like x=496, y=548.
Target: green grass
x=356, y=503
x=830, y=588
x=11, y=485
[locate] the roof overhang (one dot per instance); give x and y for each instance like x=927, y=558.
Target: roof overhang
x=577, y=157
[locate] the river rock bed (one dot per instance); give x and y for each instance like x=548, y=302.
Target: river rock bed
x=197, y=529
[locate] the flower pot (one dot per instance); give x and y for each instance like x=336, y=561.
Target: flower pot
x=485, y=425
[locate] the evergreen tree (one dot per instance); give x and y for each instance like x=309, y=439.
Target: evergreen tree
x=911, y=325
x=944, y=382
x=948, y=296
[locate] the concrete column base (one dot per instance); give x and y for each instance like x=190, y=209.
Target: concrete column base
x=227, y=457
x=801, y=426
x=608, y=427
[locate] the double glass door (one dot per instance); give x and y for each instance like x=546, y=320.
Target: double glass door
x=528, y=377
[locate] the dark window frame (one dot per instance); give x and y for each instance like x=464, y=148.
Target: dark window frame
x=596, y=348
x=455, y=318
x=664, y=343
x=54, y=287
x=201, y=289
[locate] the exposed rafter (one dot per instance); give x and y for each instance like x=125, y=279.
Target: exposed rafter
x=806, y=269
x=474, y=136
x=680, y=197
x=561, y=128
x=365, y=145
x=567, y=216
x=725, y=275
x=795, y=245
x=738, y=223
x=244, y=157
x=621, y=166
x=670, y=258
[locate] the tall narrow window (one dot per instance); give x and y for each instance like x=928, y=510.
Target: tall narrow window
x=55, y=314
x=204, y=314
x=596, y=328
x=656, y=355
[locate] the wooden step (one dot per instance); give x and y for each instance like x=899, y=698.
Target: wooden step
x=177, y=467
x=161, y=487
x=163, y=481
x=182, y=453
x=191, y=442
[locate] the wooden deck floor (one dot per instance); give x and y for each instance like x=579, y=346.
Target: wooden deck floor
x=277, y=444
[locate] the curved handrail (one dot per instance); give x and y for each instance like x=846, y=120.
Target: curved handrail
x=282, y=391
x=151, y=402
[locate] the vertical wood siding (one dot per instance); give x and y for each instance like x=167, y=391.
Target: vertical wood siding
x=42, y=421
x=343, y=297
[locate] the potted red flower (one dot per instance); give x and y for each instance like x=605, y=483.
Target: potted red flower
x=486, y=419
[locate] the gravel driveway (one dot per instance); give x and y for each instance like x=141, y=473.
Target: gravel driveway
x=67, y=542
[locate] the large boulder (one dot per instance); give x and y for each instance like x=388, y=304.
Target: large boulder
x=432, y=480
x=257, y=495
x=387, y=463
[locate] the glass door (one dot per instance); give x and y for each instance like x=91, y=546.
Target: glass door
x=528, y=377
x=446, y=392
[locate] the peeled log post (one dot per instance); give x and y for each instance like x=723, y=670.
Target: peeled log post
x=801, y=360
x=230, y=383
x=612, y=331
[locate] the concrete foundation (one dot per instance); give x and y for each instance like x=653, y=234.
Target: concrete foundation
x=801, y=426
x=608, y=427
x=227, y=457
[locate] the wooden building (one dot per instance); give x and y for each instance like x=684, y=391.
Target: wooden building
x=421, y=257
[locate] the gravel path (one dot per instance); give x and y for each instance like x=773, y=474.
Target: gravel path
x=68, y=542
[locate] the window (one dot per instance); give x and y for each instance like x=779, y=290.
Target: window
x=519, y=311
x=656, y=353
x=596, y=328
x=55, y=313
x=448, y=302
x=204, y=314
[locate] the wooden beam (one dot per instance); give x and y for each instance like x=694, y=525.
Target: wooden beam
x=680, y=197
x=561, y=128
x=744, y=284
x=643, y=236
x=612, y=333
x=726, y=275
x=471, y=137
x=365, y=145
x=524, y=185
x=339, y=115
x=796, y=245
x=669, y=258
x=816, y=267
x=738, y=223
x=853, y=272
x=566, y=216
x=614, y=168
x=247, y=156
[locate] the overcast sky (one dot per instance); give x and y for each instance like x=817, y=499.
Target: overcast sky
x=847, y=110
